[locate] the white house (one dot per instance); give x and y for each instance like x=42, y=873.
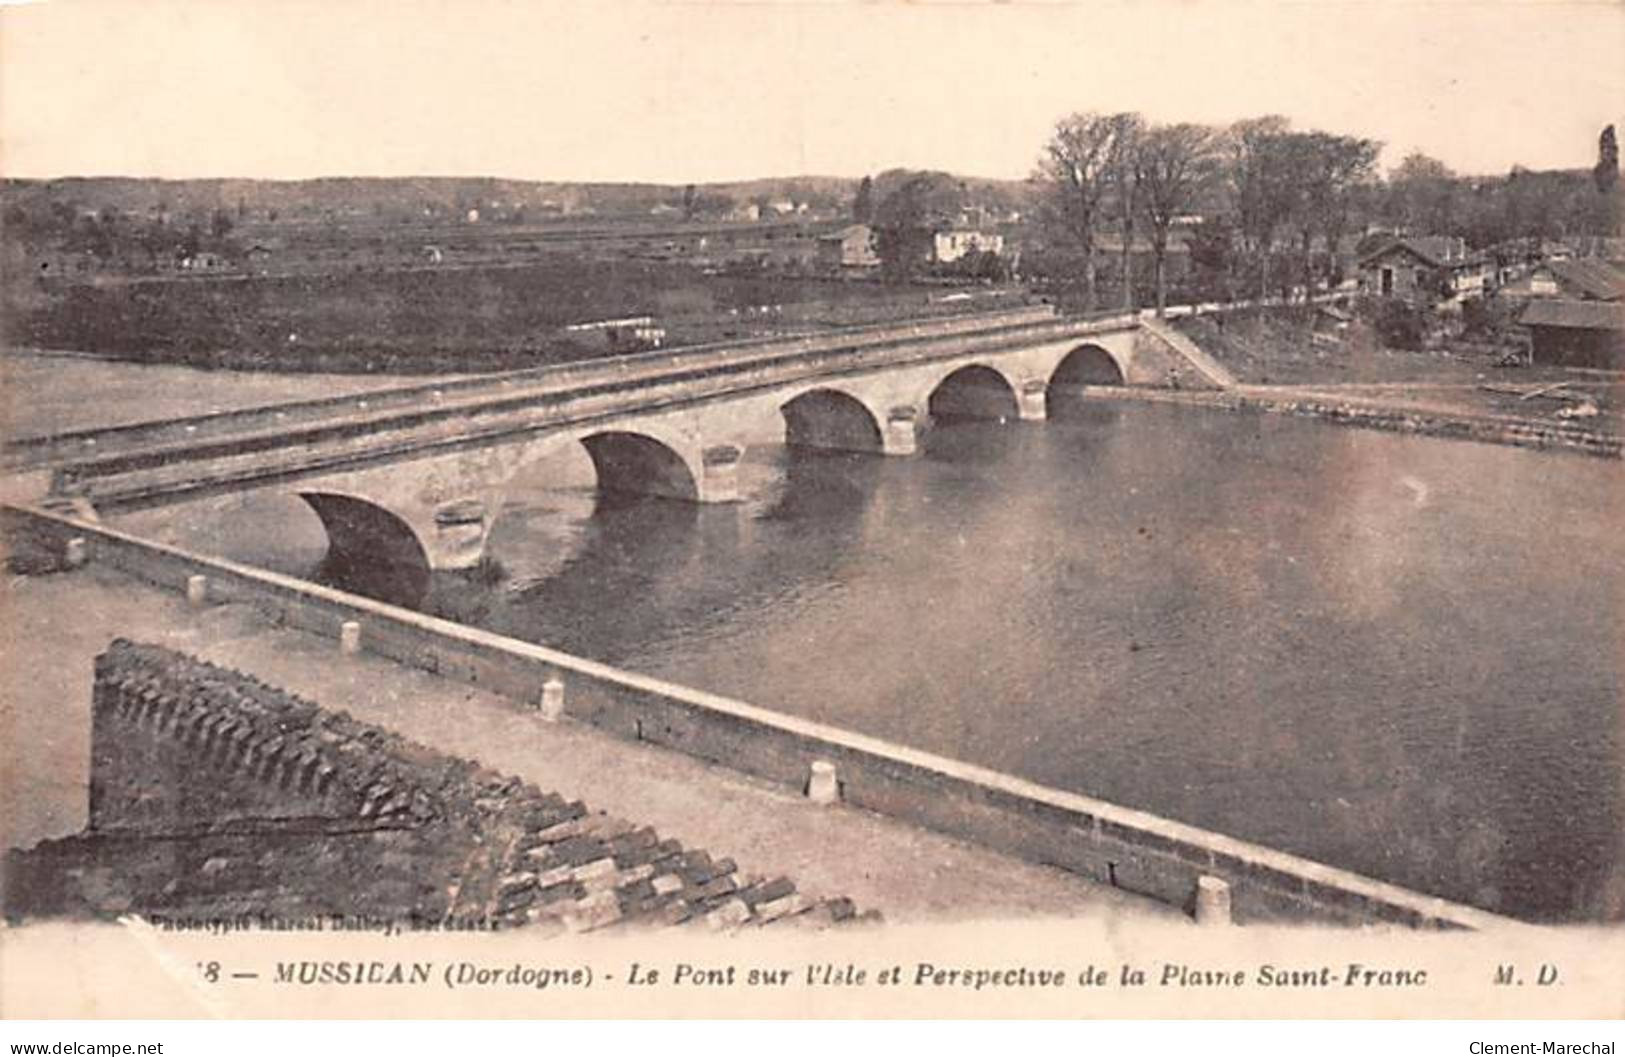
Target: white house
x=948, y=246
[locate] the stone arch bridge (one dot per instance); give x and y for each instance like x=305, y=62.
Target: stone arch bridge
x=417, y=476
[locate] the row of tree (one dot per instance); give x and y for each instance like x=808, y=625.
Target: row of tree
x=1263, y=191
x=1422, y=194
x=1265, y=177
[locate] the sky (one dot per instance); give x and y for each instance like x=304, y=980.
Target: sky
x=711, y=90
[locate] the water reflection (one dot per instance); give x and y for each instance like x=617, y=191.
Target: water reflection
x=1352, y=645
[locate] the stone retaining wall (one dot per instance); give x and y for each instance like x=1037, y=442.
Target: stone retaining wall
x=1487, y=429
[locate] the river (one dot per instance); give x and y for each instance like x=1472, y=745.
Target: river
x=1395, y=654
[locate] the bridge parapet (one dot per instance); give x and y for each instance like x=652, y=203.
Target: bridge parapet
x=89, y=443
x=663, y=434
x=484, y=418
x=1127, y=848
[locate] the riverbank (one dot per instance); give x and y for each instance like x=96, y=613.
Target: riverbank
x=1467, y=379
x=1391, y=413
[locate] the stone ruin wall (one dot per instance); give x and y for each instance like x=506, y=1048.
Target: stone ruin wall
x=297, y=809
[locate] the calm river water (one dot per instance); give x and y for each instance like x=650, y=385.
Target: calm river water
x=1394, y=654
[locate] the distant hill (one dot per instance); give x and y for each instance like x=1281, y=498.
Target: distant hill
x=420, y=196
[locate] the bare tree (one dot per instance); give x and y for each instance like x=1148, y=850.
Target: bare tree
x=1075, y=169
x=1352, y=186
x=1122, y=172
x=1173, y=165
x=1330, y=171
x=1424, y=191
x=1261, y=185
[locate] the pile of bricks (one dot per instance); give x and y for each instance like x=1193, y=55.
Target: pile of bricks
x=575, y=870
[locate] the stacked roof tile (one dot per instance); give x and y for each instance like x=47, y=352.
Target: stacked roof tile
x=214, y=795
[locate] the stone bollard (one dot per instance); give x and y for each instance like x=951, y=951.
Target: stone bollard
x=822, y=786
x=197, y=591
x=553, y=699
x=350, y=638
x=1212, y=901
x=76, y=553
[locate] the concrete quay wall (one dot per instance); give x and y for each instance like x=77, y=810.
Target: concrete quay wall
x=1118, y=846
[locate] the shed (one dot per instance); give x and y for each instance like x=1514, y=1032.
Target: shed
x=1576, y=333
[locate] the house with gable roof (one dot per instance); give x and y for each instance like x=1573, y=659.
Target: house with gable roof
x=1435, y=270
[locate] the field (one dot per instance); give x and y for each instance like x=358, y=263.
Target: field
x=447, y=319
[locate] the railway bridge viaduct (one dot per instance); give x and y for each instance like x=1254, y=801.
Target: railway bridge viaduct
x=417, y=475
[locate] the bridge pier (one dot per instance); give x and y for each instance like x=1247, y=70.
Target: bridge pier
x=1033, y=400
x=719, y=474
x=901, y=435
x=458, y=541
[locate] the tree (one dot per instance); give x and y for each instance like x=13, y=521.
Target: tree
x=1212, y=248
x=1424, y=191
x=192, y=241
x=1122, y=171
x=1075, y=169
x=1173, y=164
x=1261, y=185
x=1606, y=172
x=863, y=203
x=1328, y=172
x=688, y=202
x=220, y=225
x=921, y=204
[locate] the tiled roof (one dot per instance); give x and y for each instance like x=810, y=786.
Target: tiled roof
x=841, y=234
x=1439, y=251
x=1590, y=278
x=1574, y=315
x=276, y=807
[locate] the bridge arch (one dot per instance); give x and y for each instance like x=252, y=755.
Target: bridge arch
x=370, y=548
x=1088, y=365
x=1084, y=365
x=830, y=418
x=974, y=391
x=636, y=463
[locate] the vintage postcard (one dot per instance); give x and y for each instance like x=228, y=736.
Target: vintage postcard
x=812, y=509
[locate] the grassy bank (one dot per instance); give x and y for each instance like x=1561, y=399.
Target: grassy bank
x=1284, y=347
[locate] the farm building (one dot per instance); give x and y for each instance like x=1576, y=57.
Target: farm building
x=1575, y=333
